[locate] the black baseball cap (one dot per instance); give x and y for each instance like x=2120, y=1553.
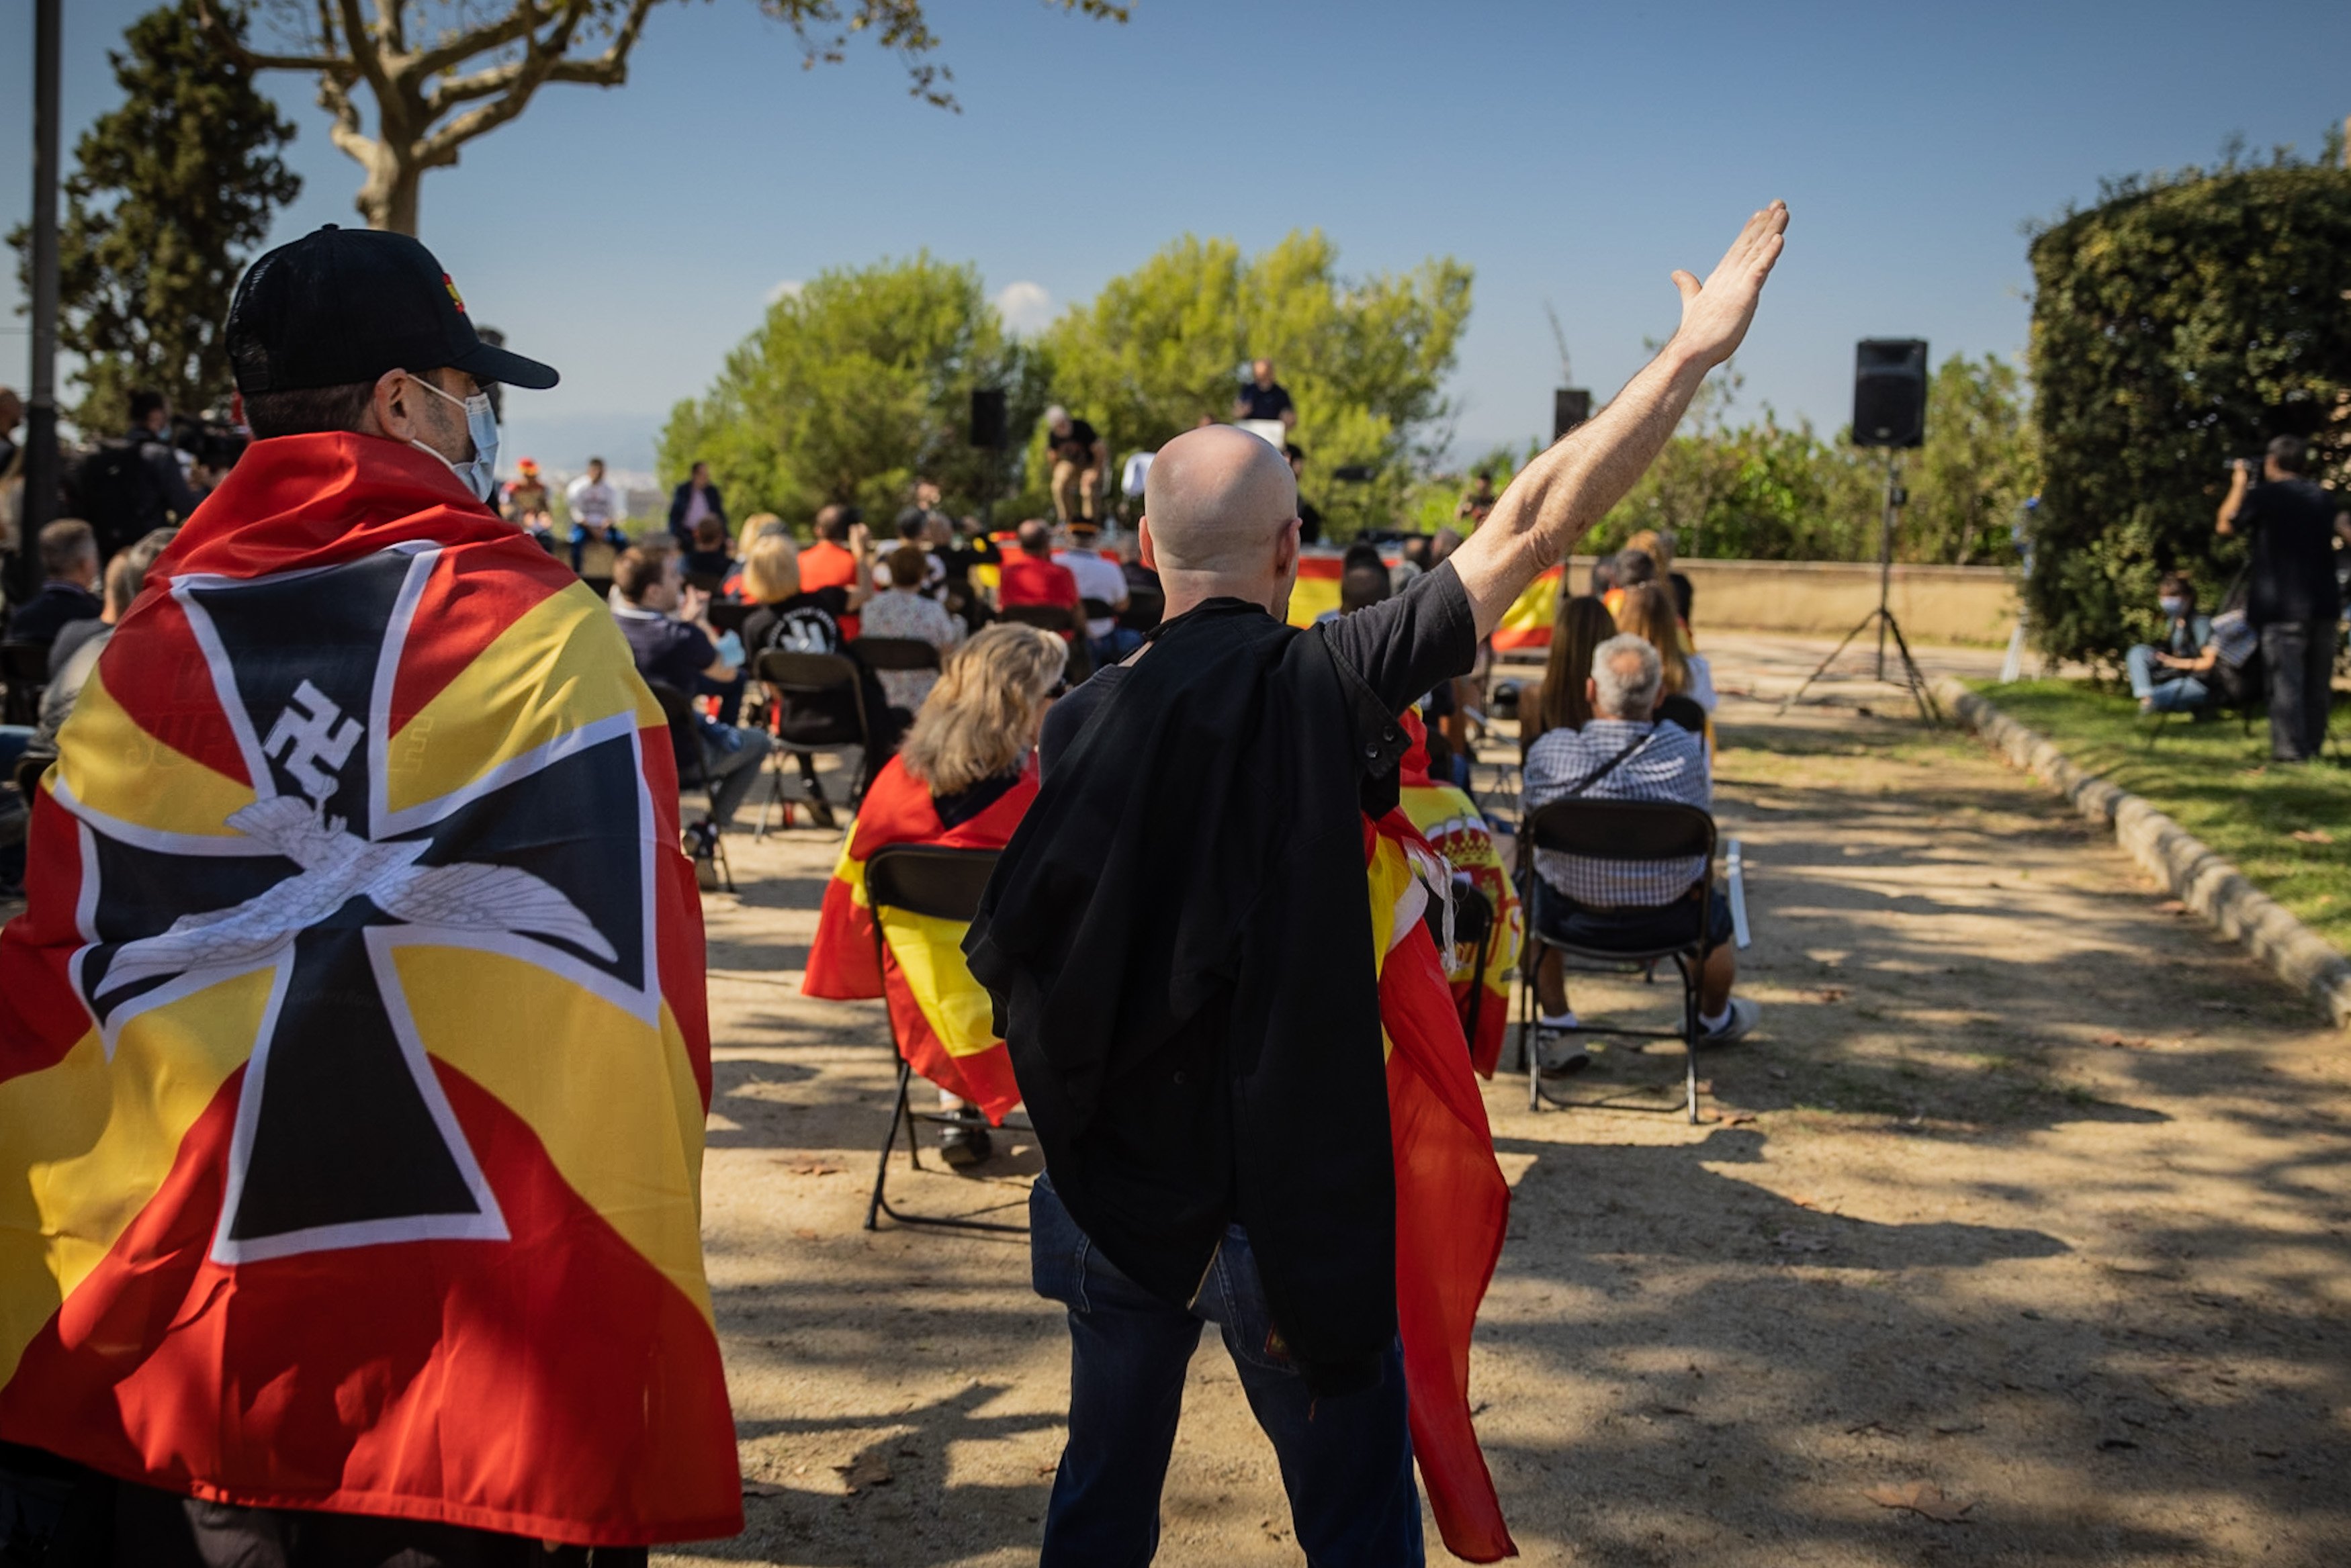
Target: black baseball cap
x=343, y=306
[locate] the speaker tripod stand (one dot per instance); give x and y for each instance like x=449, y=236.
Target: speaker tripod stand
x=1882, y=618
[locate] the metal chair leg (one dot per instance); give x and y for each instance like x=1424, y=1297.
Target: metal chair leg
x=882, y=1172
x=1690, y=970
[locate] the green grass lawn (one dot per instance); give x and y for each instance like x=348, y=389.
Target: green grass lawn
x=2216, y=782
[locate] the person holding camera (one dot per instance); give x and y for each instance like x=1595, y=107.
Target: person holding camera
x=133, y=484
x=2292, y=596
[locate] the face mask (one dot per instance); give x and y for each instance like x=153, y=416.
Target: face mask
x=480, y=475
x=2175, y=608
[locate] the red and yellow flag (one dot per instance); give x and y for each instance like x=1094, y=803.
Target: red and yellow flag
x=354, y=1055
x=1457, y=830
x=1453, y=1205
x=1528, y=622
x=941, y=1015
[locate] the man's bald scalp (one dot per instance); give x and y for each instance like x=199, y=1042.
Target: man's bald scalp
x=1217, y=498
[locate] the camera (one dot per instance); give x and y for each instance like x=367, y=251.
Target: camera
x=215, y=445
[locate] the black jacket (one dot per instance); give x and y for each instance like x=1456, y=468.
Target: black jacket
x=1178, y=941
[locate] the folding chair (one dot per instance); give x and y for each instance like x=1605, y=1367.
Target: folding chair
x=24, y=672
x=601, y=586
x=708, y=581
x=895, y=653
x=1473, y=922
x=685, y=730
x=803, y=681
x=1059, y=619
x=726, y=617
x=1619, y=830
x=945, y=885
x=1145, y=607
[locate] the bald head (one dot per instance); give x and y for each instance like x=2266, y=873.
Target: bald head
x=1216, y=500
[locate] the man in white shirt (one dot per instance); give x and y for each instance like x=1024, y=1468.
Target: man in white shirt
x=598, y=511
x=1098, y=578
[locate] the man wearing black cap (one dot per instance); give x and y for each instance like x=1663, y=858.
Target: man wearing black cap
x=353, y=1036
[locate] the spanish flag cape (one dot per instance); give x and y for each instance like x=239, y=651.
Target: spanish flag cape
x=1453, y=1205
x=940, y=1013
x=1454, y=826
x=353, y=1057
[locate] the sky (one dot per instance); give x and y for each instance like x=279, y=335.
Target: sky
x=1572, y=153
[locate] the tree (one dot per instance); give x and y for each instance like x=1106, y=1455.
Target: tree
x=2180, y=322
x=1977, y=469
x=851, y=389
x=440, y=73
x=1365, y=359
x=167, y=195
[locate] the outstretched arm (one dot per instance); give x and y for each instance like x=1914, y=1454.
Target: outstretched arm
x=1559, y=496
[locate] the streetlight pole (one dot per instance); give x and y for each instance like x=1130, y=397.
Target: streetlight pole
x=40, y=506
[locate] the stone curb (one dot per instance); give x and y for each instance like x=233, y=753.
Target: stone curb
x=2203, y=881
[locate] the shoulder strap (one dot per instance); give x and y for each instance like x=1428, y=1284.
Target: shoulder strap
x=1605, y=769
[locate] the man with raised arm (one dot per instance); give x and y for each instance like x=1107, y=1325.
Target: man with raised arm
x=1182, y=958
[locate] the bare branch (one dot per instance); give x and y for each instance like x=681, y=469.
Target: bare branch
x=518, y=24
x=542, y=56
x=392, y=24
x=518, y=79
x=335, y=98
x=226, y=39
x=368, y=60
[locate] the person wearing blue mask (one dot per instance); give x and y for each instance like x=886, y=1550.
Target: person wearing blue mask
x=2175, y=676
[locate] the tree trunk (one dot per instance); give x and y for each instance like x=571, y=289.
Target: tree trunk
x=388, y=197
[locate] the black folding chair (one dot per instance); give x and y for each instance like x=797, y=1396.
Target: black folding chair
x=1473, y=922
x=1067, y=623
x=945, y=883
x=1622, y=831
x=601, y=586
x=1145, y=607
x=813, y=715
x=695, y=773
x=895, y=653
x=24, y=670
x=708, y=581
x=726, y=617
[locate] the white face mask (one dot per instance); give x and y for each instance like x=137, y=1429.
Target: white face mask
x=480, y=473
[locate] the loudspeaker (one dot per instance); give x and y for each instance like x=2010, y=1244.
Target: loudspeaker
x=1570, y=407
x=987, y=417
x=1889, y=392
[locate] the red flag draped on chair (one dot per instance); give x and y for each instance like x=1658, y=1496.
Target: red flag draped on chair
x=1452, y=1202
x=941, y=1015
x=1457, y=830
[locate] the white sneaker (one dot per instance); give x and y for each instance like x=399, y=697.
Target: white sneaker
x=1743, y=1014
x=1559, y=1052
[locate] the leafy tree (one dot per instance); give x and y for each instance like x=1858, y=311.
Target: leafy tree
x=440, y=73
x=851, y=389
x=2180, y=322
x=1365, y=359
x=1977, y=469
x=169, y=193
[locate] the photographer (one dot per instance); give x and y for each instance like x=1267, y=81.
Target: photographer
x=131, y=485
x=2294, y=599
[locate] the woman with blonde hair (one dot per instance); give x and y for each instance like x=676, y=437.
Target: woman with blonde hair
x=963, y=780
x=1648, y=613
x=1581, y=625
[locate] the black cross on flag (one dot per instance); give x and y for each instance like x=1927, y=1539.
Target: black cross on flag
x=343, y=1136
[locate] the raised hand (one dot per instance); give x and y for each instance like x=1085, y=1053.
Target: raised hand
x=1716, y=314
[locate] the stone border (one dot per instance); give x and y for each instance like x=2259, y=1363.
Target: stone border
x=2203, y=881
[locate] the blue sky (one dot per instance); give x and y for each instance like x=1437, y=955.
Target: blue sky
x=1570, y=151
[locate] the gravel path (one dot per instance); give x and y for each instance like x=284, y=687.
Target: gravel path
x=2026, y=1205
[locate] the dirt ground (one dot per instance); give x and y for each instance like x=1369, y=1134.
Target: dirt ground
x=2026, y=1204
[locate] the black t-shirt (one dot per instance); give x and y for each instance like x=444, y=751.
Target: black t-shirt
x=804, y=623
x=1400, y=648
x=666, y=650
x=1078, y=446
x=2292, y=525
x=1309, y=523
x=1265, y=402
x=961, y=555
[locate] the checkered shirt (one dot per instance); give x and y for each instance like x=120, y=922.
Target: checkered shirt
x=1670, y=766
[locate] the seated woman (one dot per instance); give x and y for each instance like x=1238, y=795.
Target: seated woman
x=1648, y=613
x=904, y=610
x=1583, y=624
x=787, y=620
x=964, y=780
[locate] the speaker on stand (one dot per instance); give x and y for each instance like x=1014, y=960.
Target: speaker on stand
x=1889, y=412
x=1570, y=407
x=990, y=431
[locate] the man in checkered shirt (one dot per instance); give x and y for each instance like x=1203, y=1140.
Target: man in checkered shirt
x=1631, y=906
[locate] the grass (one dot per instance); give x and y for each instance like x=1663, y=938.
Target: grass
x=2216, y=782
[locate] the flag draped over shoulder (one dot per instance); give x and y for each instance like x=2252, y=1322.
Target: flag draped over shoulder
x=941, y=1015
x=353, y=1053
x=1454, y=826
x=1452, y=1202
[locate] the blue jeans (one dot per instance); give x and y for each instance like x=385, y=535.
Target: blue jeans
x=733, y=757
x=2180, y=694
x=1346, y=1462
x=582, y=533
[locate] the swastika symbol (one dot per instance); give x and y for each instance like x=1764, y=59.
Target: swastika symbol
x=302, y=742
